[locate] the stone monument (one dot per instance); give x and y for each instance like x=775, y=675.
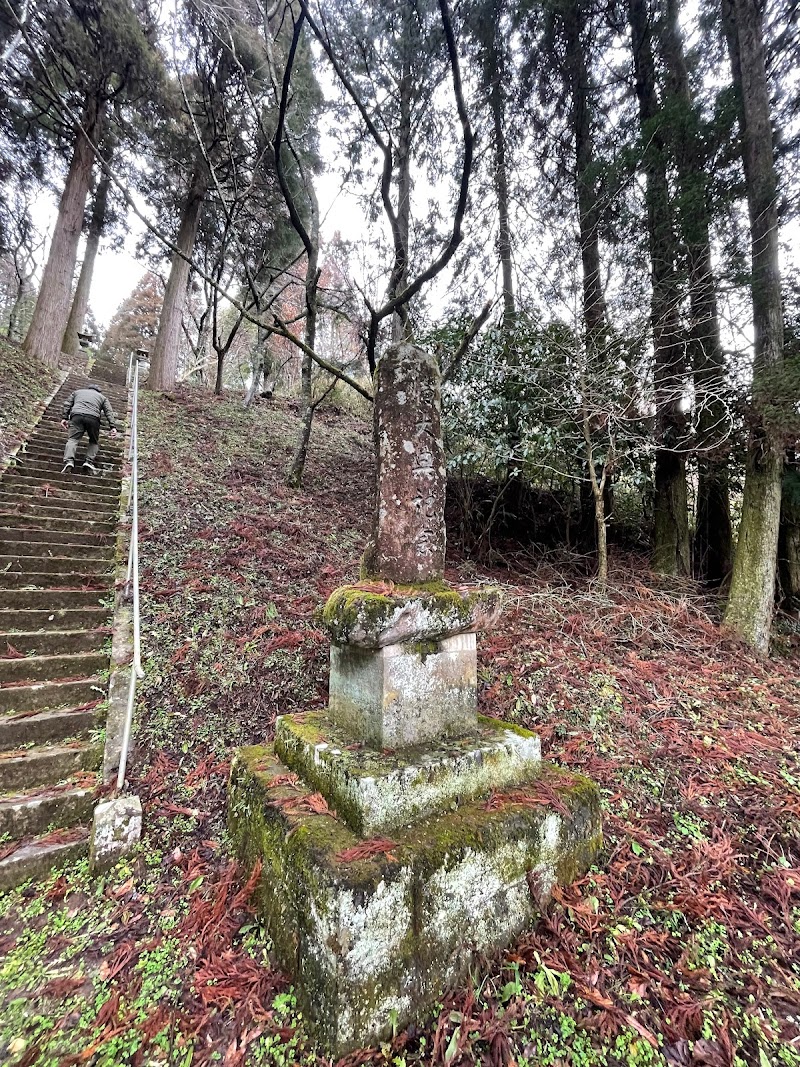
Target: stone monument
x=399, y=831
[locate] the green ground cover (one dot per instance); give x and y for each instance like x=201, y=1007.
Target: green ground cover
x=680, y=948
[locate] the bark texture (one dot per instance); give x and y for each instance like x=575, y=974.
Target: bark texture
x=49, y=321
x=164, y=357
x=80, y=299
x=294, y=476
x=713, y=545
x=671, y=550
x=597, y=489
x=789, y=537
x=752, y=596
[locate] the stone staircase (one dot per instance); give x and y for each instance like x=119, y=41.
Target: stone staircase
x=57, y=557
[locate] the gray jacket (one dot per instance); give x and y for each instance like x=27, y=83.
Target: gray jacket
x=89, y=401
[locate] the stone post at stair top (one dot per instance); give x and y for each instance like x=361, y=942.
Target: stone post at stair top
x=408, y=539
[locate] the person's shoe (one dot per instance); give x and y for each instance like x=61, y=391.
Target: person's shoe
x=67, y=468
x=90, y=467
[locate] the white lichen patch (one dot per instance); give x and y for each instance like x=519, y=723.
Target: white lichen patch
x=408, y=446
x=478, y=902
x=116, y=827
x=358, y=938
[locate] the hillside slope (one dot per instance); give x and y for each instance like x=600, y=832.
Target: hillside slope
x=680, y=948
x=25, y=385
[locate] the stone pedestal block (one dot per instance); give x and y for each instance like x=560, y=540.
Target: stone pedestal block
x=375, y=930
x=375, y=793
x=116, y=827
x=405, y=694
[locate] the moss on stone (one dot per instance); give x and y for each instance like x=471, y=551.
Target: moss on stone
x=489, y=723
x=357, y=610
x=355, y=977
x=349, y=605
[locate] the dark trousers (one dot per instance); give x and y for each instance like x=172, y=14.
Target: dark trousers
x=78, y=426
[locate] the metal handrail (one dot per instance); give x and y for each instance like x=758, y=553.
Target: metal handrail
x=132, y=577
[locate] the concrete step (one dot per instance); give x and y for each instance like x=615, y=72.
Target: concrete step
x=55, y=642
x=71, y=501
x=53, y=449
x=30, y=505
x=49, y=430
x=51, y=564
x=33, y=812
x=47, y=727
x=23, y=600
x=14, y=622
x=18, y=482
x=98, y=583
x=52, y=452
x=96, y=527
x=49, y=536
x=48, y=469
x=46, y=764
x=52, y=550
x=51, y=668
x=37, y=858
x=40, y=696
x=51, y=421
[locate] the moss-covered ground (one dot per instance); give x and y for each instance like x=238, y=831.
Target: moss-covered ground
x=680, y=948
x=25, y=385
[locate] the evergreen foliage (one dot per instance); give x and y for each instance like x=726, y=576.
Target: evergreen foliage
x=593, y=257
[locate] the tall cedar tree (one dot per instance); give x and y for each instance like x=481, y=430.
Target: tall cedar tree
x=226, y=115
x=671, y=550
x=80, y=298
x=713, y=544
x=752, y=595
x=77, y=60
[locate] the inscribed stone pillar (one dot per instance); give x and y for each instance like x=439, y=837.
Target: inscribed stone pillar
x=408, y=542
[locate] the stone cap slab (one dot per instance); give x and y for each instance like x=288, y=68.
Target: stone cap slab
x=373, y=615
x=378, y=792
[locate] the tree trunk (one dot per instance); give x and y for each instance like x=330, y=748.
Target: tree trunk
x=598, y=486
x=495, y=76
x=594, y=308
x=294, y=476
x=17, y=315
x=80, y=300
x=164, y=357
x=713, y=545
x=263, y=364
x=46, y=330
x=252, y=392
x=671, y=553
x=218, y=378
x=789, y=535
x=752, y=595
x=400, y=323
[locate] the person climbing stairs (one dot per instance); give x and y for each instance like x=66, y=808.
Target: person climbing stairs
x=57, y=557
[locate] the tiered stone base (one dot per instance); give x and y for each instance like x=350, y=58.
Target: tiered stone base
x=374, y=929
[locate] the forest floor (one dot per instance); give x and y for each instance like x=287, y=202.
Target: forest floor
x=680, y=947
x=25, y=385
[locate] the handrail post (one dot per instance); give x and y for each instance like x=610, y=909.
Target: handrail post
x=132, y=578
